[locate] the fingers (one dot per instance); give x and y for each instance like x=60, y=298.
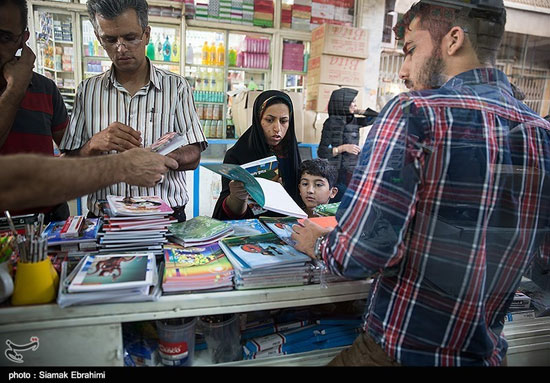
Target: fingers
x=117, y=137
x=237, y=190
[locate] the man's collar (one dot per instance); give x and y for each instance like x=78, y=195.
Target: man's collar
x=487, y=75
x=109, y=77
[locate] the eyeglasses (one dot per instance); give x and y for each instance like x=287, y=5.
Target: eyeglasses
x=8, y=37
x=128, y=41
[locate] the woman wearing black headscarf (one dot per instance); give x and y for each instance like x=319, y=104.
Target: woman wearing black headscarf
x=340, y=136
x=271, y=133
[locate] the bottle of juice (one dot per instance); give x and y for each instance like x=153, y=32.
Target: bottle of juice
x=220, y=55
x=232, y=57
x=205, y=53
x=150, y=52
x=175, y=50
x=189, y=54
x=212, y=55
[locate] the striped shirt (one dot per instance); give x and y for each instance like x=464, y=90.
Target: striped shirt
x=448, y=205
x=164, y=105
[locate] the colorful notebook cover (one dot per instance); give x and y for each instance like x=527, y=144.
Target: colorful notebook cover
x=88, y=234
x=138, y=206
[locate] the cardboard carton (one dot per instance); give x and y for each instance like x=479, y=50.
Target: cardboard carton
x=336, y=70
x=318, y=96
x=243, y=105
x=313, y=126
x=339, y=40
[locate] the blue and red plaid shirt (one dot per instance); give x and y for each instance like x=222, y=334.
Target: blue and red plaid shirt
x=448, y=205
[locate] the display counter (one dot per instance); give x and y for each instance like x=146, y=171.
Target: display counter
x=92, y=335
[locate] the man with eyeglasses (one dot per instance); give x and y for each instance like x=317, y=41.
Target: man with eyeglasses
x=32, y=109
x=133, y=104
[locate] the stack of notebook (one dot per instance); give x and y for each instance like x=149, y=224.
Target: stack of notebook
x=135, y=224
x=110, y=278
x=198, y=268
x=264, y=261
x=199, y=231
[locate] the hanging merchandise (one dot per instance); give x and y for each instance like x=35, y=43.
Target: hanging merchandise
x=167, y=49
x=189, y=54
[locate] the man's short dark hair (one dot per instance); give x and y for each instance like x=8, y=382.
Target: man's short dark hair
x=23, y=8
x=111, y=9
x=484, y=29
x=320, y=167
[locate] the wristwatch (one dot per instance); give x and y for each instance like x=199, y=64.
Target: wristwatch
x=318, y=243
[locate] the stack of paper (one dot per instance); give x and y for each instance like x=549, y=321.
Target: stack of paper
x=110, y=278
x=191, y=269
x=199, y=231
x=264, y=261
x=135, y=224
x=85, y=243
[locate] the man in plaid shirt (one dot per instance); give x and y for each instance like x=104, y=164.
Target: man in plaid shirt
x=450, y=200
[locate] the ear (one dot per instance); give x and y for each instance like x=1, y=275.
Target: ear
x=454, y=40
x=147, y=34
x=333, y=192
x=26, y=35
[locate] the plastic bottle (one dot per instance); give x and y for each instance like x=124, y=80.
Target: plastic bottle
x=199, y=81
x=252, y=85
x=219, y=81
x=212, y=55
x=205, y=53
x=189, y=54
x=220, y=55
x=176, y=50
x=91, y=51
x=150, y=52
x=158, y=52
x=232, y=57
x=167, y=49
x=211, y=81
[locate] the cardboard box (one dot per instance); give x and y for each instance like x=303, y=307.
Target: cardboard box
x=318, y=96
x=313, y=126
x=336, y=70
x=243, y=104
x=339, y=40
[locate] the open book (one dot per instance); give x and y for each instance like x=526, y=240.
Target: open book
x=270, y=195
x=168, y=143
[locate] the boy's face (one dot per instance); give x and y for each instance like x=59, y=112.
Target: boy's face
x=315, y=190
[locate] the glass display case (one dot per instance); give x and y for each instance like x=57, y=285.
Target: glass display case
x=55, y=53
x=163, y=49
x=219, y=64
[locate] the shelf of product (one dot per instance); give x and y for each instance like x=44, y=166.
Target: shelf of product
x=163, y=49
x=294, y=64
x=306, y=15
x=55, y=51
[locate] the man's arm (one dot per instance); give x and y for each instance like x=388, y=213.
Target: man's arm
x=372, y=221
x=18, y=74
x=30, y=181
x=188, y=156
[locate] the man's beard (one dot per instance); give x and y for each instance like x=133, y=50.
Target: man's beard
x=431, y=76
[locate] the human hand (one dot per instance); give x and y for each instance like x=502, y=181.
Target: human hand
x=117, y=137
x=238, y=191
x=305, y=235
x=143, y=167
x=18, y=71
x=350, y=148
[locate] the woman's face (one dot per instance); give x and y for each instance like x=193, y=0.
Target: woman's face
x=353, y=106
x=275, y=122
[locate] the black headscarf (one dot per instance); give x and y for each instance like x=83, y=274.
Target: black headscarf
x=338, y=105
x=252, y=146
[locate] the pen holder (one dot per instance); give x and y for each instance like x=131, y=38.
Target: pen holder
x=35, y=283
x=6, y=281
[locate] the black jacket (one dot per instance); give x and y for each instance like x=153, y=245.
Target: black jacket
x=341, y=128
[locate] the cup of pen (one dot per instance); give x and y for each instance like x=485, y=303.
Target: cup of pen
x=36, y=279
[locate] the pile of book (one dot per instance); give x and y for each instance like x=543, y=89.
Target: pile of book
x=269, y=339
x=197, y=268
x=135, y=224
x=199, y=231
x=265, y=261
x=109, y=278
x=81, y=243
